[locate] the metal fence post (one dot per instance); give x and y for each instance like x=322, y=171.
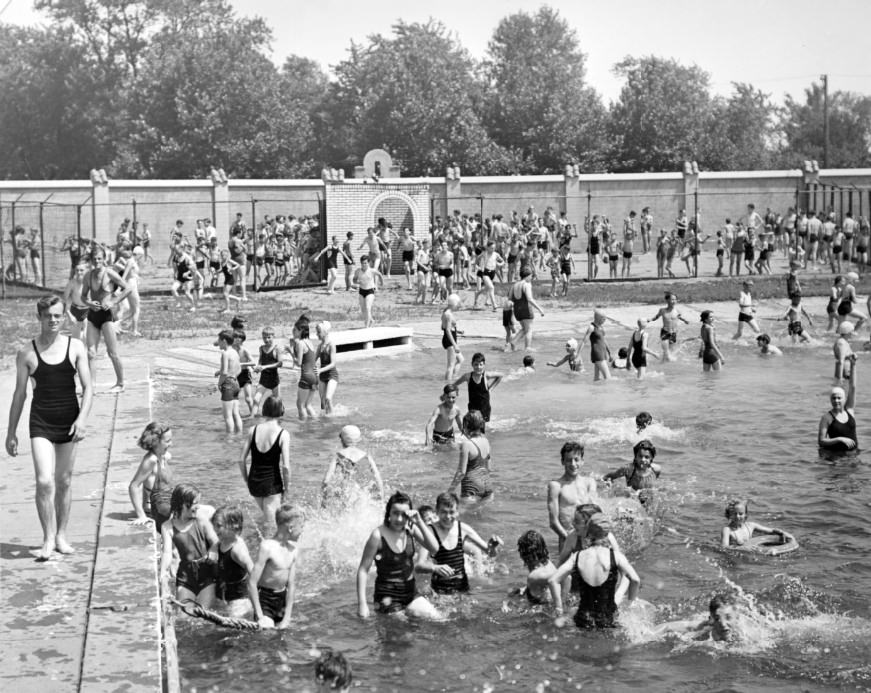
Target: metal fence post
x=42, y=243
x=2, y=256
x=254, y=231
x=14, y=249
x=79, y=226
x=698, y=232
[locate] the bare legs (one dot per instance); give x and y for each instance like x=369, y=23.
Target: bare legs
x=53, y=466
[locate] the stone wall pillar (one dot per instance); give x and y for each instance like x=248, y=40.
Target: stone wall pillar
x=453, y=190
x=575, y=203
x=220, y=201
x=100, y=210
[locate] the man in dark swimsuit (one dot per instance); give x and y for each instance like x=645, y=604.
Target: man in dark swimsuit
x=57, y=422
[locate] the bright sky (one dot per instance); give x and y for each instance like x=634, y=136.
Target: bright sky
x=777, y=45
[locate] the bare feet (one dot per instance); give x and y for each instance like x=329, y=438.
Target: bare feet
x=46, y=551
x=63, y=546
x=117, y=387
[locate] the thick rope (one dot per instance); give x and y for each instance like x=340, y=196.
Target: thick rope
x=192, y=608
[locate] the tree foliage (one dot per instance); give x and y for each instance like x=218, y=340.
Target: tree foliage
x=171, y=88
x=849, y=128
x=539, y=104
x=414, y=94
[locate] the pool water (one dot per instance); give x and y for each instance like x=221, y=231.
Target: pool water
x=749, y=431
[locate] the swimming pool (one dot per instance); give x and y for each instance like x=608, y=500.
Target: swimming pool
x=749, y=431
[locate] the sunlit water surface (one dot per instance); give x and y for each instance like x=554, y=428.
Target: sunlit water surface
x=748, y=431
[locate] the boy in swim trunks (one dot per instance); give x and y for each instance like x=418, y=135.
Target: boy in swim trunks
x=668, y=334
x=245, y=364
x=440, y=427
x=793, y=318
x=570, y=490
x=228, y=385
x=272, y=582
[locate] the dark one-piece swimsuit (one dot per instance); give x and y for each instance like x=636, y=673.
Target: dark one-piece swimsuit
x=459, y=581
x=394, y=580
x=596, y=608
x=264, y=477
x=55, y=406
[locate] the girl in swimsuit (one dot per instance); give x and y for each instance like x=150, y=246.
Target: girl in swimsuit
x=268, y=478
x=328, y=374
x=234, y=561
x=638, y=350
x=837, y=431
x=453, y=357
x=533, y=552
x=597, y=570
x=98, y=292
x=131, y=276
x=192, y=535
x=391, y=547
x=709, y=351
x=739, y=531
x=305, y=355
x=834, y=300
x=599, y=351
x=455, y=539
x=473, y=470
x=153, y=475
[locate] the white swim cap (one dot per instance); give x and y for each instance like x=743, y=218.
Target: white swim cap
x=845, y=328
x=325, y=326
x=572, y=343
x=138, y=250
x=350, y=435
x=852, y=276
x=453, y=300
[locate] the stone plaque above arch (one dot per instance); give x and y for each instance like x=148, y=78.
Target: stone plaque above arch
x=377, y=163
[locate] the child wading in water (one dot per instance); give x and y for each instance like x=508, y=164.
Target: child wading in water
x=739, y=531
x=480, y=384
x=228, y=385
x=473, y=471
x=344, y=467
x=455, y=539
x=569, y=491
x=234, y=561
x=573, y=356
x=154, y=475
x=533, y=552
x=642, y=474
x=272, y=582
x=267, y=366
x=192, y=536
x=440, y=427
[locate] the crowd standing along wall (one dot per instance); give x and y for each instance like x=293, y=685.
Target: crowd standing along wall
x=99, y=206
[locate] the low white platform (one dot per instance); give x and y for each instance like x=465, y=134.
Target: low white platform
x=372, y=341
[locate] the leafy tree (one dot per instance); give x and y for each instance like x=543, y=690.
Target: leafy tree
x=849, y=128
x=208, y=96
x=52, y=123
x=539, y=104
x=743, y=133
x=415, y=95
x=661, y=117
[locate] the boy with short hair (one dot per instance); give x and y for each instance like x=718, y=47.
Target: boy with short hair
x=440, y=427
x=480, y=384
x=569, y=491
x=793, y=318
x=228, y=385
x=245, y=364
x=76, y=308
x=272, y=582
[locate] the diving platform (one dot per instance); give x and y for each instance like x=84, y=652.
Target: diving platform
x=372, y=341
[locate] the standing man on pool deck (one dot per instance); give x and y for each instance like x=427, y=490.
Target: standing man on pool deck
x=521, y=295
x=57, y=423
x=668, y=333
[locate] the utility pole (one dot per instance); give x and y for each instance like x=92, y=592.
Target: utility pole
x=825, y=79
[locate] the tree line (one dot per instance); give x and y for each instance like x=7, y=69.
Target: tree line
x=170, y=88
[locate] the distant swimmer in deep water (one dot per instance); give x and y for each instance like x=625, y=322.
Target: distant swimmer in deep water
x=837, y=432
x=740, y=531
x=722, y=625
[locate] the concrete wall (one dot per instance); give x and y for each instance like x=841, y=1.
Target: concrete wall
x=160, y=203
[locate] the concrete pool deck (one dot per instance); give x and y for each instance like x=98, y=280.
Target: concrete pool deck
x=90, y=621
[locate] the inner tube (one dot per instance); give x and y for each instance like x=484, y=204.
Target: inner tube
x=771, y=544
